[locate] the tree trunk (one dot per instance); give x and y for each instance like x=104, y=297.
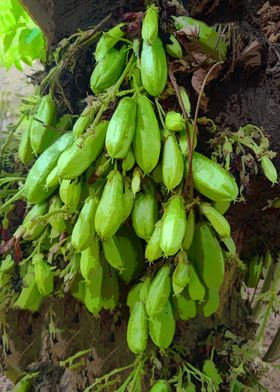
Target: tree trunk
x=250, y=94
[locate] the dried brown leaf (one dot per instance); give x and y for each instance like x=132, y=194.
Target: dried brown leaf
x=253, y=55
x=198, y=79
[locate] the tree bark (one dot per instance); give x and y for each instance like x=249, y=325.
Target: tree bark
x=59, y=19
x=246, y=96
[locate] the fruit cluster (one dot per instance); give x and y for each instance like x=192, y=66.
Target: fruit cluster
x=116, y=193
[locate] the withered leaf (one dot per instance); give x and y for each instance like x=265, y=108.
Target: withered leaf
x=252, y=56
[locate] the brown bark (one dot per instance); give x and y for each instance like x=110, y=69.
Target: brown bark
x=59, y=19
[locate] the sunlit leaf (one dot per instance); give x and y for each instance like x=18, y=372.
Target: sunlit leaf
x=21, y=41
x=18, y=65
x=33, y=34
x=16, y=9
x=8, y=39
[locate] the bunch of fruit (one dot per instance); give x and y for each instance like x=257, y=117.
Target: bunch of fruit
x=113, y=199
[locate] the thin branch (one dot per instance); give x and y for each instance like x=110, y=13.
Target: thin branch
x=189, y=177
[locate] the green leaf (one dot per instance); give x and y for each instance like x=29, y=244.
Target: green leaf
x=17, y=9
x=209, y=368
x=20, y=39
x=33, y=34
x=238, y=386
x=27, y=60
x=8, y=39
x=7, y=21
x=18, y=64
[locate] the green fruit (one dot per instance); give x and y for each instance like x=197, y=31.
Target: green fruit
x=269, y=169
x=121, y=129
x=222, y=206
x=109, y=214
x=181, y=274
x=153, y=67
x=111, y=249
x=150, y=24
x=52, y=181
x=79, y=156
x=56, y=221
x=70, y=193
x=108, y=70
x=162, y=327
x=212, y=303
x=144, y=214
x=172, y=163
x=83, y=122
x=217, y=220
x=195, y=288
x=186, y=100
x=174, y=121
x=43, y=275
x=209, y=39
x=110, y=288
x=92, y=292
x=41, y=133
x=189, y=230
x=137, y=329
x=32, y=227
x=173, y=226
x=90, y=260
x=35, y=184
x=24, y=149
x=129, y=161
x=29, y=297
x=207, y=255
x=185, y=306
x=159, y=291
x=174, y=49
x=139, y=292
x=146, y=136
x=153, y=250
x=128, y=201
x=212, y=180
x=130, y=248
x=84, y=229
x=108, y=40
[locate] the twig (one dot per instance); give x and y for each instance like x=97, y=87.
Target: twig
x=189, y=177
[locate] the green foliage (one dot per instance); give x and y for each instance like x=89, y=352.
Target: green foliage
x=21, y=40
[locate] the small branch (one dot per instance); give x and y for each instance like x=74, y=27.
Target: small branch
x=189, y=177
